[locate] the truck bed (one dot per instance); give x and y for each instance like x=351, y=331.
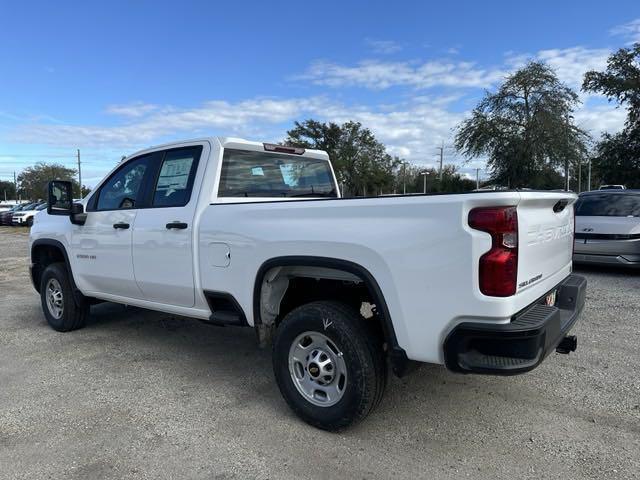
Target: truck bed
x=420, y=250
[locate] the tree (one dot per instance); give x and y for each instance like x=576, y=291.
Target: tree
x=411, y=177
x=33, y=181
x=525, y=128
x=617, y=156
x=361, y=162
x=85, y=191
x=620, y=81
x=7, y=190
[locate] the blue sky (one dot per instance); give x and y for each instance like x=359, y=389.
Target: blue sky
x=112, y=77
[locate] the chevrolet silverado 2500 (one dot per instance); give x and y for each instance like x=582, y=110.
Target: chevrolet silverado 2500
x=234, y=232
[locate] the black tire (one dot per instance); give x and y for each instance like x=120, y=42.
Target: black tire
x=74, y=313
x=363, y=357
x=30, y=222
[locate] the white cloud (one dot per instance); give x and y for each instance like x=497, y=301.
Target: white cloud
x=597, y=119
x=411, y=130
x=134, y=110
x=147, y=123
x=384, y=47
x=378, y=75
x=629, y=31
x=570, y=64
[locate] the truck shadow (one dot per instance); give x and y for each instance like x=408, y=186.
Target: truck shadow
x=225, y=362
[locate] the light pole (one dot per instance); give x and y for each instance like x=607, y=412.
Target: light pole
x=404, y=178
x=579, y=175
x=566, y=160
x=425, y=174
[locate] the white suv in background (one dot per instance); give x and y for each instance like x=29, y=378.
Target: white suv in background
x=25, y=217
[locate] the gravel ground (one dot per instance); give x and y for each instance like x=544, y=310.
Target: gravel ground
x=137, y=394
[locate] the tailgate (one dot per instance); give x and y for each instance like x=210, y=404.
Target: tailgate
x=545, y=227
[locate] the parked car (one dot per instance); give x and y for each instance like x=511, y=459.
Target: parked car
x=8, y=213
x=612, y=187
x=6, y=206
x=608, y=228
x=6, y=218
x=26, y=216
x=249, y=234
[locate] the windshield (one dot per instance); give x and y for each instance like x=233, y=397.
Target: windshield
x=262, y=174
x=608, y=205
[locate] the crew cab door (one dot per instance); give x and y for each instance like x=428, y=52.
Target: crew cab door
x=163, y=233
x=101, y=248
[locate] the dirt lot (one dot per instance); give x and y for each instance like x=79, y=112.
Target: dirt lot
x=138, y=394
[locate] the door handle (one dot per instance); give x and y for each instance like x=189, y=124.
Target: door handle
x=177, y=225
x=123, y=226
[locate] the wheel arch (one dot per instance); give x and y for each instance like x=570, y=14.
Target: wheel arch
x=398, y=356
x=44, y=252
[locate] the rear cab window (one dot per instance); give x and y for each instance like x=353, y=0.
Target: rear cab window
x=263, y=174
x=608, y=205
x=176, y=176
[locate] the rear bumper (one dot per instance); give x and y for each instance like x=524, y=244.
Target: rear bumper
x=607, y=252
x=615, y=260
x=519, y=346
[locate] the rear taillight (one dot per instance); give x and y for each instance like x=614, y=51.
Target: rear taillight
x=499, y=266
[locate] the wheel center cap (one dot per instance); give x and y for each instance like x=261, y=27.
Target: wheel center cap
x=314, y=370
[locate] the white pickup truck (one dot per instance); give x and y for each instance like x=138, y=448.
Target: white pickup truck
x=242, y=233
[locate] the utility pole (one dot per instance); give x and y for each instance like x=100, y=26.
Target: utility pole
x=15, y=184
x=589, y=182
x=441, y=157
x=404, y=178
x=477, y=178
x=579, y=175
x=566, y=158
x=79, y=173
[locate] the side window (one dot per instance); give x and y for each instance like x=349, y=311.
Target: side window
x=175, y=180
x=124, y=188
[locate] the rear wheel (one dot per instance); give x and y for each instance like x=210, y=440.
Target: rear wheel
x=329, y=366
x=29, y=221
x=61, y=309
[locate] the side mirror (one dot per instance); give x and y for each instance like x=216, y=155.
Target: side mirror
x=60, y=198
x=78, y=215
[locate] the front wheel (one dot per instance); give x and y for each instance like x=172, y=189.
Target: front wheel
x=328, y=364
x=61, y=309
